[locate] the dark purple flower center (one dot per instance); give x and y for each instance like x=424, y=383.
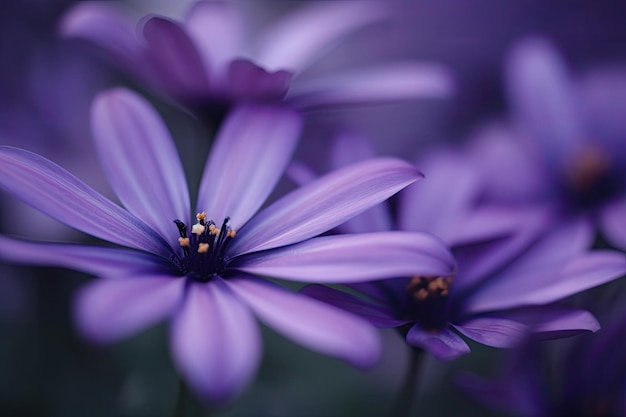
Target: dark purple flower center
x=427, y=300
x=204, y=248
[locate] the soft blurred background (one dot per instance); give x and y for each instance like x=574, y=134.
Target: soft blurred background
x=46, y=85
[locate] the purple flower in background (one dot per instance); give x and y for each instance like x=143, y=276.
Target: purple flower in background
x=568, y=145
x=211, y=57
x=201, y=273
x=509, y=270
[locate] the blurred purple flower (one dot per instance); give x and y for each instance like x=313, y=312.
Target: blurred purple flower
x=212, y=57
x=589, y=377
x=509, y=270
x=568, y=145
x=202, y=276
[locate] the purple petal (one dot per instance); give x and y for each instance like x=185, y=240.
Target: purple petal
x=315, y=325
x=553, y=322
x=443, y=344
x=298, y=39
x=174, y=57
x=215, y=341
x=247, y=80
x=353, y=258
x=377, y=314
x=251, y=153
x=543, y=99
x=385, y=83
x=324, y=204
x=105, y=24
x=108, y=310
x=347, y=149
x=550, y=282
x=440, y=203
x=300, y=173
x=54, y=191
x=140, y=159
x=493, y=331
x=218, y=31
x=613, y=223
x=96, y=260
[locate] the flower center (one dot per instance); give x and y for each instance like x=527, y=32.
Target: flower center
x=204, y=248
x=427, y=299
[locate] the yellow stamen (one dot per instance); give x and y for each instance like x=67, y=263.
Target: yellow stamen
x=183, y=241
x=201, y=216
x=203, y=248
x=197, y=229
x=231, y=233
x=213, y=230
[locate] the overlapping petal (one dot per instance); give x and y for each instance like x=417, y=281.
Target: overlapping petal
x=252, y=137
x=215, y=341
x=379, y=84
x=108, y=310
x=324, y=204
x=493, y=331
x=140, y=159
x=51, y=189
x=314, y=324
x=613, y=222
x=443, y=344
x=353, y=258
x=552, y=322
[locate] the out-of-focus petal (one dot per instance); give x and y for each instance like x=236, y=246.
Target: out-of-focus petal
x=493, y=331
x=57, y=193
x=96, y=260
x=549, y=283
x=104, y=23
x=314, y=324
x=299, y=38
x=324, y=204
x=384, y=83
x=140, y=159
x=553, y=322
x=174, y=58
x=108, y=310
x=353, y=258
x=613, y=223
x=252, y=137
x=443, y=344
x=215, y=341
x=217, y=30
x=247, y=80
x=378, y=315
x=543, y=99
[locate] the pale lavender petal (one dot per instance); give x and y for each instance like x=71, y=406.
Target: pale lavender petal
x=174, y=58
x=218, y=31
x=613, y=222
x=250, y=155
x=543, y=98
x=140, y=159
x=348, y=148
x=301, y=174
x=247, y=80
x=96, y=260
x=215, y=341
x=484, y=223
x=104, y=23
x=494, y=331
x=443, y=344
x=548, y=283
x=353, y=258
x=377, y=314
x=324, y=204
x=54, y=191
x=553, y=322
x=440, y=203
x=314, y=324
x=384, y=83
x=299, y=38
x=108, y=310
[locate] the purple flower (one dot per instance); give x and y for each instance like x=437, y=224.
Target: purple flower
x=567, y=147
x=201, y=273
x=511, y=265
x=211, y=57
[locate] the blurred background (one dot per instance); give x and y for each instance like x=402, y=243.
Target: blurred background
x=46, y=85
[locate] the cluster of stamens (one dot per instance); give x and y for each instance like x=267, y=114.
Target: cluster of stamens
x=423, y=288
x=205, y=247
